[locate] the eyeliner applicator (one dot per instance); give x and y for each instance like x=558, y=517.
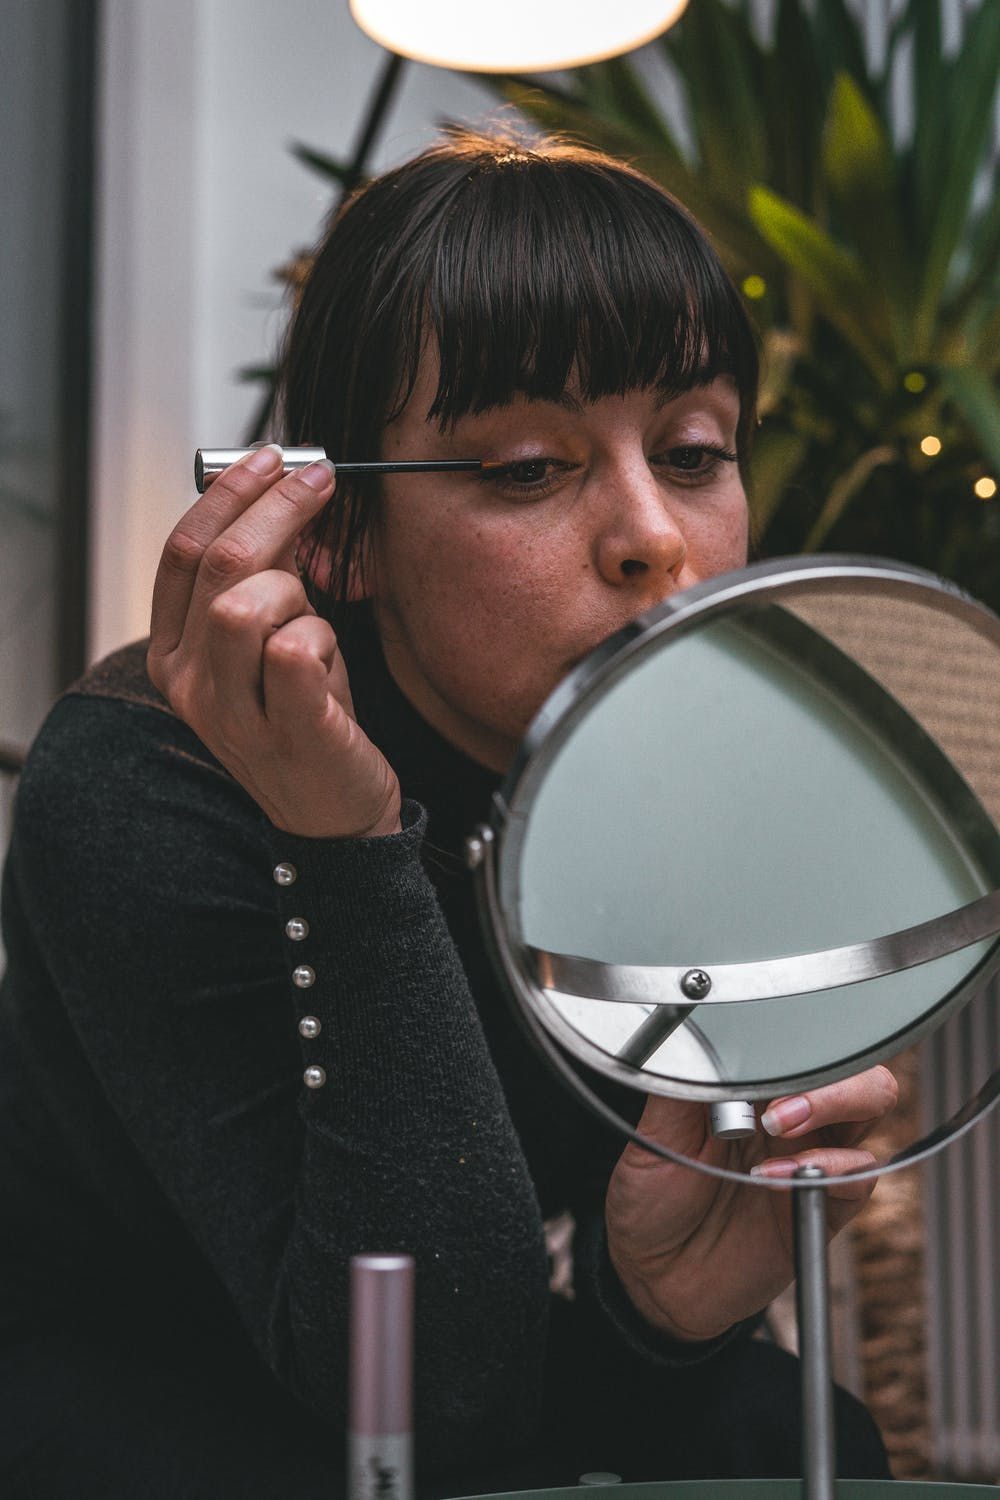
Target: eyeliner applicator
x=210, y=462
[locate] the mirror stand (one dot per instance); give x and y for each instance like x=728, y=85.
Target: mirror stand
x=812, y=1305
x=823, y=733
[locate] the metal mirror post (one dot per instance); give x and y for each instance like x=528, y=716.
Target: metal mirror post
x=751, y=846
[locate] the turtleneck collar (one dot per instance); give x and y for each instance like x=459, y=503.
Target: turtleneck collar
x=455, y=789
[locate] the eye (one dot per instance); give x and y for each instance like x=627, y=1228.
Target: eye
x=695, y=461
x=529, y=470
x=527, y=478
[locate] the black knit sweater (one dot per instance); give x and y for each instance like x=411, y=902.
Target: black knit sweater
x=161, y=1157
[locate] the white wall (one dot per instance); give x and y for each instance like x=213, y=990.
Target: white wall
x=199, y=201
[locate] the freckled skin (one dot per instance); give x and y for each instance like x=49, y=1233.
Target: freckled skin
x=485, y=598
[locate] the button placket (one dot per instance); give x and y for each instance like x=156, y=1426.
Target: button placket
x=296, y=929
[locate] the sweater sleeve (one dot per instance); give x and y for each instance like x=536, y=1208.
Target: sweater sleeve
x=283, y=1027
x=601, y=1291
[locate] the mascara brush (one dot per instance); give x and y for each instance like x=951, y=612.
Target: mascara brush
x=210, y=462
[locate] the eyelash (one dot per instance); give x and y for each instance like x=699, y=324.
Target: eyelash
x=508, y=485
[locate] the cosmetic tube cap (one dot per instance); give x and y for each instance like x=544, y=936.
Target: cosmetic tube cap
x=381, y=1376
x=733, y=1120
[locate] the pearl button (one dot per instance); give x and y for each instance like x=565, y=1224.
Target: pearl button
x=285, y=874
x=296, y=928
x=303, y=976
x=314, y=1078
x=310, y=1026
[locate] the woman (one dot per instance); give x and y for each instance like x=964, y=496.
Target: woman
x=251, y=1028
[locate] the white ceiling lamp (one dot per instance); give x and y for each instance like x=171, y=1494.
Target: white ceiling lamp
x=517, y=36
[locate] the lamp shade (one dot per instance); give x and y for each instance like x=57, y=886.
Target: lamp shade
x=520, y=36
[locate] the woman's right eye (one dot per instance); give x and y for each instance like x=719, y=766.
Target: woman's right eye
x=528, y=470
x=527, y=478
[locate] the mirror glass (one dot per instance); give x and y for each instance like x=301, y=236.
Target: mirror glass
x=794, y=759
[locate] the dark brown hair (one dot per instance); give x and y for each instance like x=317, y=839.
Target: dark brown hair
x=528, y=265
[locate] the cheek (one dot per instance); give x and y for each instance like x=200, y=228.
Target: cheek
x=499, y=570
x=722, y=539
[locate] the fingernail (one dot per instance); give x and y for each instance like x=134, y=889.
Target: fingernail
x=263, y=460
x=318, y=476
x=781, y=1166
x=786, y=1114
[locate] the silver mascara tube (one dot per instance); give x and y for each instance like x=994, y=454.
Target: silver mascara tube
x=380, y=1421
x=210, y=462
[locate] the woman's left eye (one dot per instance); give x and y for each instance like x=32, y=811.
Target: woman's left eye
x=695, y=461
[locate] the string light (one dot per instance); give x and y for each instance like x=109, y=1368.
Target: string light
x=915, y=382
x=985, y=487
x=930, y=445
x=754, y=287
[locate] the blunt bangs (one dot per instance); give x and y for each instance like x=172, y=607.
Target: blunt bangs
x=561, y=268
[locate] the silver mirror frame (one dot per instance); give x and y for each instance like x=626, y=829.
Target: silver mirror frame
x=551, y=1033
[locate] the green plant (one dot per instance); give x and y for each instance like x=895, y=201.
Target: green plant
x=871, y=259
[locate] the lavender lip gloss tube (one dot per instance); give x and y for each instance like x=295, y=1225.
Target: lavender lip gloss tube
x=380, y=1423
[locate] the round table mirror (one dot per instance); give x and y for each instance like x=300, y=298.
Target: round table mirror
x=750, y=845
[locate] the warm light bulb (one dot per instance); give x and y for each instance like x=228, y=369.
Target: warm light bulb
x=985, y=488
x=754, y=287
x=519, y=36
x=914, y=382
x=930, y=445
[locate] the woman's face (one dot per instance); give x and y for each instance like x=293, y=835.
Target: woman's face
x=487, y=591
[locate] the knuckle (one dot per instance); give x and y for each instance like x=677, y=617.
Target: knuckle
x=231, y=612
x=285, y=651
x=295, y=643
x=182, y=553
x=227, y=557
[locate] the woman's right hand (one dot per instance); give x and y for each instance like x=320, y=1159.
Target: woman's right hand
x=241, y=655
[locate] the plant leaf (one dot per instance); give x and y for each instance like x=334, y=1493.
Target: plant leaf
x=795, y=97
x=721, y=65
x=967, y=124
x=857, y=158
x=628, y=101
x=929, y=86
x=721, y=216
x=317, y=161
x=834, y=275
x=981, y=284
x=843, y=491
x=975, y=396
x=839, y=46
x=777, y=453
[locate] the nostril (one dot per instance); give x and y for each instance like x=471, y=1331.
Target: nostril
x=632, y=565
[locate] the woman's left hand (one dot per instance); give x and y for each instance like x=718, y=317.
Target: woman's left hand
x=697, y=1253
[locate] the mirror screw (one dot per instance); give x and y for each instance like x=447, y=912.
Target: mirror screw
x=696, y=984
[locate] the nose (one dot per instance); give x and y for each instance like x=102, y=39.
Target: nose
x=640, y=544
